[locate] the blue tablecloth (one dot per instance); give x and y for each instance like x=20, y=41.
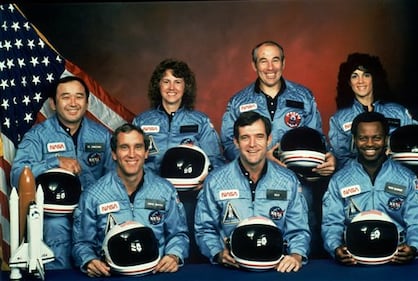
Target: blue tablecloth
x=321, y=270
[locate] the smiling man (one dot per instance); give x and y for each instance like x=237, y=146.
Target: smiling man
x=372, y=181
x=129, y=193
x=70, y=141
x=251, y=185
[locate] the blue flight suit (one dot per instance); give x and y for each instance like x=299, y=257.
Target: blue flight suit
x=226, y=199
x=39, y=149
x=155, y=205
x=351, y=191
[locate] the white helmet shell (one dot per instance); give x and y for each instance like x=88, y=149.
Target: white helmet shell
x=372, y=237
x=185, y=166
x=131, y=249
x=256, y=244
x=62, y=190
x=301, y=150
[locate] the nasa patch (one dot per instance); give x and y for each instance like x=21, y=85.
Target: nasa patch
x=247, y=107
x=350, y=191
x=93, y=159
x=187, y=141
x=155, y=217
x=228, y=194
x=292, y=119
x=395, y=203
x=56, y=146
x=109, y=207
x=276, y=213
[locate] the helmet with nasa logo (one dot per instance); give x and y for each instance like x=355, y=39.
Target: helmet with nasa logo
x=403, y=145
x=256, y=244
x=372, y=237
x=185, y=166
x=62, y=190
x=302, y=149
x=131, y=249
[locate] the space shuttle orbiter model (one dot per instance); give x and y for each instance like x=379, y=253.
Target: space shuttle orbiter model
x=26, y=216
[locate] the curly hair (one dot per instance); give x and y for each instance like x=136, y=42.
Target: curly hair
x=368, y=63
x=180, y=70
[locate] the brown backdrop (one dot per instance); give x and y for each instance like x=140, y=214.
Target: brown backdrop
x=119, y=44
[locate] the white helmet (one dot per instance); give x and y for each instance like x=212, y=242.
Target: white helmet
x=62, y=190
x=302, y=149
x=256, y=244
x=372, y=237
x=185, y=166
x=403, y=146
x=131, y=249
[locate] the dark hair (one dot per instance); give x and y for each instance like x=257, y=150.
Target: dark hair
x=367, y=63
x=66, y=79
x=180, y=70
x=369, y=117
x=268, y=43
x=249, y=117
x=126, y=128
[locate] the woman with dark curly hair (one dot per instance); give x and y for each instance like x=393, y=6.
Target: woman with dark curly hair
x=362, y=86
x=172, y=121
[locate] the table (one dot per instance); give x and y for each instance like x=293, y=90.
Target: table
x=320, y=269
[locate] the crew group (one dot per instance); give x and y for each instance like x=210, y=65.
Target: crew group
x=122, y=169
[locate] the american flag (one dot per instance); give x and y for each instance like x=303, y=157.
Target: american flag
x=28, y=67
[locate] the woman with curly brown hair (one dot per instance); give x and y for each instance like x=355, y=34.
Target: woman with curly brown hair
x=362, y=86
x=172, y=121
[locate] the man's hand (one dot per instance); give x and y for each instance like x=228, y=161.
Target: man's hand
x=169, y=263
x=273, y=155
x=69, y=164
x=288, y=263
x=404, y=254
x=224, y=258
x=328, y=167
x=97, y=268
x=342, y=256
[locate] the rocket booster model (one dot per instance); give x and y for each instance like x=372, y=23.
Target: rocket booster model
x=27, y=193
x=32, y=253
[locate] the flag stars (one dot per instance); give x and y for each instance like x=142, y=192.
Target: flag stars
x=18, y=43
x=41, y=43
x=38, y=97
x=31, y=44
x=7, y=45
x=26, y=26
x=28, y=117
x=15, y=26
x=10, y=63
x=26, y=100
x=4, y=26
x=2, y=65
x=4, y=84
x=6, y=122
x=36, y=80
x=34, y=61
x=11, y=8
x=45, y=61
x=50, y=77
x=5, y=104
x=21, y=62
x=24, y=82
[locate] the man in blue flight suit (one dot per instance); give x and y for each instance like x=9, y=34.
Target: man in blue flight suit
x=70, y=141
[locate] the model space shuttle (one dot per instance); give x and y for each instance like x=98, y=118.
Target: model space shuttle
x=26, y=229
